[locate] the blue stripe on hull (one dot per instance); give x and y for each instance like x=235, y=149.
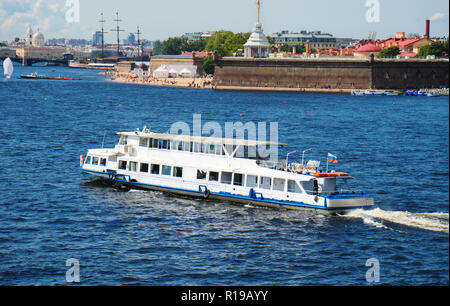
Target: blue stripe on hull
x=233, y=197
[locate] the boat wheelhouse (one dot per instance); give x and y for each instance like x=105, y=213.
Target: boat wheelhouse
x=221, y=168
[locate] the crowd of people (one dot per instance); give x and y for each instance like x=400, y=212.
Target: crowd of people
x=197, y=82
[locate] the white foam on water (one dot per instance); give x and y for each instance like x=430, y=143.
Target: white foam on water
x=437, y=222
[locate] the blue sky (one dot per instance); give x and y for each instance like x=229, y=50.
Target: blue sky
x=163, y=19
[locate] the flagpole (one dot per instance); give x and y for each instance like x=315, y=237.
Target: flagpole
x=327, y=163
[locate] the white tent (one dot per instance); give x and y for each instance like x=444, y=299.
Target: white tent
x=173, y=73
x=161, y=72
x=186, y=73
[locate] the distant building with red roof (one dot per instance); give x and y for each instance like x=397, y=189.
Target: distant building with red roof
x=367, y=50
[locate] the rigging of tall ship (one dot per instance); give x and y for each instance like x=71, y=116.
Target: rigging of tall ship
x=224, y=169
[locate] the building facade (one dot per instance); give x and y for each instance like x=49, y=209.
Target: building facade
x=317, y=39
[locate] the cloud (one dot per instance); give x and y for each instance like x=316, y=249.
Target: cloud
x=437, y=16
x=16, y=15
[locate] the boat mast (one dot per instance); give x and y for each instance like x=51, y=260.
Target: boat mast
x=118, y=30
x=139, y=41
x=102, y=21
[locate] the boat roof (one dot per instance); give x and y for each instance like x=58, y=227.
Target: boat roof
x=201, y=139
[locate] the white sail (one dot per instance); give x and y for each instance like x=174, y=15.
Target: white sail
x=8, y=67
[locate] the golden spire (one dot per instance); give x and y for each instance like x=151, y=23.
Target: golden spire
x=259, y=10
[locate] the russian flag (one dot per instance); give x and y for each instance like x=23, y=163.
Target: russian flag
x=332, y=159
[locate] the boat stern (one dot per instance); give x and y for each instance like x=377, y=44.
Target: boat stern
x=345, y=202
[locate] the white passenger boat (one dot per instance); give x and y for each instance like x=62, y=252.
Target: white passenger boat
x=220, y=168
x=375, y=92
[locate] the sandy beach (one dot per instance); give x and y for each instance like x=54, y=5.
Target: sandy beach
x=200, y=82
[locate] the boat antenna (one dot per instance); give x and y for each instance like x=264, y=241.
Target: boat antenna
x=103, y=141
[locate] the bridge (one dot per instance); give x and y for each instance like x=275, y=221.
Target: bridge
x=30, y=61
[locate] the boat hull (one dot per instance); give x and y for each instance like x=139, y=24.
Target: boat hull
x=333, y=204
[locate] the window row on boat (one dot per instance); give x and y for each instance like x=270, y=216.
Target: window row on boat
x=197, y=147
x=95, y=161
x=222, y=177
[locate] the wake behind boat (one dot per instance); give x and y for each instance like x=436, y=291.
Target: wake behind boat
x=213, y=168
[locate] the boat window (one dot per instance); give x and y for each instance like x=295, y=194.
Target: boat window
x=123, y=140
x=211, y=149
x=88, y=160
x=166, y=170
x=144, y=167
x=201, y=175
x=293, y=187
x=186, y=146
x=278, y=184
x=150, y=142
x=226, y=177
x=177, y=171
x=180, y=146
x=143, y=142
x=191, y=146
x=265, y=182
x=155, y=143
x=122, y=165
x=164, y=144
x=155, y=169
x=95, y=161
x=219, y=150
x=103, y=162
x=252, y=181
x=238, y=179
x=214, y=176
x=132, y=166
x=197, y=147
x=308, y=186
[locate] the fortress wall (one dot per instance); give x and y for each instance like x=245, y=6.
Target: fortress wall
x=330, y=73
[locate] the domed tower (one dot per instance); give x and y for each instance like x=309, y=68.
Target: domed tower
x=257, y=45
x=29, y=36
x=38, y=39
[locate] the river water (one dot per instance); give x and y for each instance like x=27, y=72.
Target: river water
x=397, y=149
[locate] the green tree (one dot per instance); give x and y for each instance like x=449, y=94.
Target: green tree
x=285, y=48
x=2, y=44
x=174, y=45
x=435, y=48
x=389, y=52
x=196, y=45
x=208, y=65
x=225, y=43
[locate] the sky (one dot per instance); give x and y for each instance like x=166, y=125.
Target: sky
x=160, y=19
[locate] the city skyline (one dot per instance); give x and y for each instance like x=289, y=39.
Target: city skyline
x=160, y=20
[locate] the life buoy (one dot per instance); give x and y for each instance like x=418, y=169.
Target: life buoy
x=206, y=193
x=81, y=160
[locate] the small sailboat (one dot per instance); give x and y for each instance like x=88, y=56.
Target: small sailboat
x=8, y=68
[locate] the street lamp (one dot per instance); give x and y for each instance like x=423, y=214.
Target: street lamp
x=287, y=157
x=303, y=156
